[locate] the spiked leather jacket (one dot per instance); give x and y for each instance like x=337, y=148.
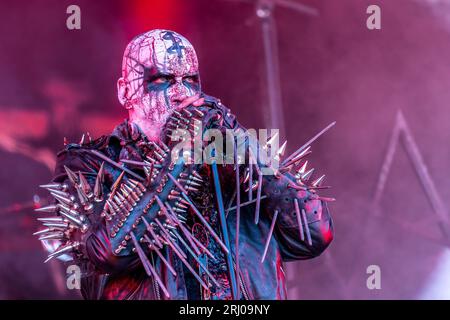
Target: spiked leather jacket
x=141, y=225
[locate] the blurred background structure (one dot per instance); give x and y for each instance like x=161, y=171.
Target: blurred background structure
x=388, y=157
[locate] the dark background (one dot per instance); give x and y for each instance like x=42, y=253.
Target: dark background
x=59, y=83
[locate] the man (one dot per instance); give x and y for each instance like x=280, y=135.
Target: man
x=144, y=222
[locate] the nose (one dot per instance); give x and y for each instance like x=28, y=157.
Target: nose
x=180, y=92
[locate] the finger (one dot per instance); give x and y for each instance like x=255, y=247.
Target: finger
x=199, y=102
x=188, y=101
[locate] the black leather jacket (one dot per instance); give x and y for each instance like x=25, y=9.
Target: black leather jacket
x=108, y=275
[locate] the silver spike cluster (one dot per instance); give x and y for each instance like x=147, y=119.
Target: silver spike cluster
x=69, y=212
x=185, y=120
x=302, y=176
x=124, y=196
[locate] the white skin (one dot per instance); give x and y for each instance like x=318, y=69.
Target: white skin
x=159, y=75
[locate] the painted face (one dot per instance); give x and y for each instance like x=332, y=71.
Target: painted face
x=161, y=70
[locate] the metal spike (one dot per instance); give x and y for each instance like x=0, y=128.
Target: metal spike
x=307, y=175
x=55, y=186
x=238, y=214
x=54, y=236
x=113, y=207
x=301, y=171
x=160, y=255
x=180, y=205
x=302, y=154
x=305, y=222
x=269, y=236
x=193, y=183
x=298, y=158
x=178, y=114
x=147, y=265
x=88, y=135
x=65, y=142
x=246, y=203
x=68, y=210
x=62, y=250
x=253, y=188
x=180, y=210
x=135, y=188
x=250, y=182
x=259, y=190
x=196, y=174
x=62, y=225
x=114, y=163
x=186, y=233
x=106, y=209
x=199, y=113
x=318, y=181
x=73, y=219
x=51, y=208
x=132, y=193
x=72, y=176
x=270, y=141
x=246, y=175
x=62, y=194
x=326, y=199
x=299, y=220
x=128, y=196
x=62, y=199
x=50, y=219
x=165, y=147
x=189, y=188
x=258, y=197
x=296, y=186
x=167, y=237
x=98, y=187
x=82, y=140
x=84, y=186
x=182, y=256
x=138, y=184
x=43, y=231
x=120, y=197
x=82, y=196
x=189, y=114
x=280, y=152
x=308, y=143
x=152, y=232
x=117, y=182
x=137, y=163
x=127, y=206
x=197, y=259
x=172, y=197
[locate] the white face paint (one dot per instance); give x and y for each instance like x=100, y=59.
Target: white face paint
x=160, y=68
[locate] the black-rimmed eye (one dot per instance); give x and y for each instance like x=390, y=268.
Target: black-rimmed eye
x=162, y=79
x=191, y=79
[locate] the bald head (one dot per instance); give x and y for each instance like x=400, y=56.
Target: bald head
x=159, y=70
x=163, y=50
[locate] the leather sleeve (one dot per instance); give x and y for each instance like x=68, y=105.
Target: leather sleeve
x=95, y=245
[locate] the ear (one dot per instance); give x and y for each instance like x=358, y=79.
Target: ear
x=122, y=90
